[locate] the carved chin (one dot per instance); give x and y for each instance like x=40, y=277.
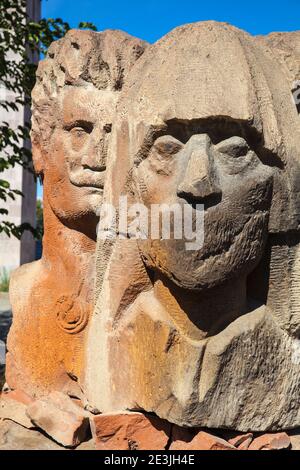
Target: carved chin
x=78, y=204
x=207, y=268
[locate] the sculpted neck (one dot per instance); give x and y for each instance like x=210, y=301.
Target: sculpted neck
x=201, y=314
x=67, y=247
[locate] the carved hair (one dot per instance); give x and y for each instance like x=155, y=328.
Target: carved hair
x=81, y=58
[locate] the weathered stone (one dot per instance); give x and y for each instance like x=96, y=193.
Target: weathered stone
x=271, y=442
x=13, y=406
x=295, y=440
x=73, y=107
x=182, y=434
x=202, y=332
x=130, y=431
x=202, y=441
x=242, y=441
x=208, y=338
x=245, y=445
x=60, y=418
x=16, y=437
x=86, y=445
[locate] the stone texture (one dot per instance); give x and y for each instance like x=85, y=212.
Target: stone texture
x=16, y=437
x=295, y=439
x=287, y=48
x=182, y=434
x=242, y=441
x=73, y=105
x=271, y=442
x=208, y=338
x=200, y=337
x=13, y=406
x=60, y=418
x=130, y=431
x=202, y=441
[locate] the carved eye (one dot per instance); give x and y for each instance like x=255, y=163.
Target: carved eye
x=78, y=131
x=107, y=128
x=234, y=146
x=79, y=128
x=166, y=146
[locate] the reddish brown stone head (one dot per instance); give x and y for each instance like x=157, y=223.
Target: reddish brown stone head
x=73, y=108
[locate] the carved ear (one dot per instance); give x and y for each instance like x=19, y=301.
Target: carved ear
x=38, y=160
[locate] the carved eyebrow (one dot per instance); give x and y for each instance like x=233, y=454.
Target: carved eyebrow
x=235, y=146
x=86, y=125
x=217, y=127
x=151, y=135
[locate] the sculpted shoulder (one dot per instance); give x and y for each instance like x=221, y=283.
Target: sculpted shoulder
x=23, y=280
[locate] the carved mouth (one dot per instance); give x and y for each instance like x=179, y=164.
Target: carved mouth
x=228, y=250
x=88, y=185
x=88, y=178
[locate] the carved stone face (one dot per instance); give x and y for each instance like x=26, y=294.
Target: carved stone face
x=75, y=166
x=234, y=186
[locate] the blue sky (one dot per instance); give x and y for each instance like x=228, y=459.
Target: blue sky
x=151, y=19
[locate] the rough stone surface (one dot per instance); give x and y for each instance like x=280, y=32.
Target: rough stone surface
x=276, y=441
x=15, y=437
x=74, y=100
x=60, y=418
x=242, y=441
x=130, y=431
x=206, y=337
x=13, y=406
x=202, y=441
x=295, y=439
x=182, y=434
x=202, y=333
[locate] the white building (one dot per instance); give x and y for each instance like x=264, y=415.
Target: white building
x=12, y=251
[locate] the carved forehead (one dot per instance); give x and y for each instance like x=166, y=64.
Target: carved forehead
x=214, y=73
x=102, y=58
x=87, y=103
x=81, y=59
x=212, y=70
x=196, y=71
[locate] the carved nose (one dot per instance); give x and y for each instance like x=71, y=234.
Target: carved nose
x=199, y=182
x=95, y=156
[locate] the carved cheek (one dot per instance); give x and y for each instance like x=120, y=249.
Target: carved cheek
x=78, y=142
x=250, y=194
x=58, y=151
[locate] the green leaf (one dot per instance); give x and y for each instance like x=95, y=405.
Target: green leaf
x=4, y=184
x=22, y=36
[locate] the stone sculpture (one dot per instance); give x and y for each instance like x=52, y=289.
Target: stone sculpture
x=206, y=337
x=201, y=337
x=74, y=101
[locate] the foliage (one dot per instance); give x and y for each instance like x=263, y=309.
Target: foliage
x=39, y=219
x=21, y=41
x=4, y=280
